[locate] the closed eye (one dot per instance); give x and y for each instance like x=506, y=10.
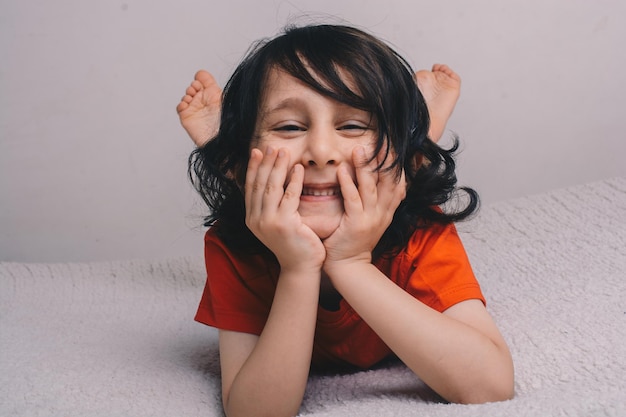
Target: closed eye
x=353, y=127
x=289, y=128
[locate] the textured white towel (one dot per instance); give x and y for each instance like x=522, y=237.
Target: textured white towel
x=118, y=339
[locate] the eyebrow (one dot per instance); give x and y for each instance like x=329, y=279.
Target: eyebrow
x=299, y=102
x=285, y=104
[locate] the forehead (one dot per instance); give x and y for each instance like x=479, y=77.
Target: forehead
x=280, y=85
x=286, y=93
x=279, y=82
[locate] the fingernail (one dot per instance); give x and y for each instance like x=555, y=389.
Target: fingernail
x=269, y=150
x=360, y=151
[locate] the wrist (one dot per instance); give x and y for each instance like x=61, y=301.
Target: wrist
x=312, y=262
x=300, y=270
x=346, y=269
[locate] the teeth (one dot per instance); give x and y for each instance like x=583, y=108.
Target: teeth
x=318, y=192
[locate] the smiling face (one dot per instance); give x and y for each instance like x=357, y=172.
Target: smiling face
x=320, y=134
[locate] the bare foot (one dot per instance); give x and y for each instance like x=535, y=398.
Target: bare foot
x=441, y=88
x=199, y=110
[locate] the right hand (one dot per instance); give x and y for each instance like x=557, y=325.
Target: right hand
x=272, y=210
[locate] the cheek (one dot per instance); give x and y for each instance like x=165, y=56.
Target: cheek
x=369, y=144
x=290, y=146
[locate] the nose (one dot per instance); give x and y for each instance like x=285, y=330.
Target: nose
x=321, y=148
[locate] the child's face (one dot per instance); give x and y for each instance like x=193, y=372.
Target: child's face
x=320, y=134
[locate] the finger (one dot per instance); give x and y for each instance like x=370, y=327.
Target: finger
x=256, y=156
x=349, y=191
x=391, y=187
x=259, y=181
x=274, y=188
x=366, y=177
x=293, y=191
x=359, y=157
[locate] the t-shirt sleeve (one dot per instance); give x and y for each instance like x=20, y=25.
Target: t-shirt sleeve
x=437, y=269
x=237, y=295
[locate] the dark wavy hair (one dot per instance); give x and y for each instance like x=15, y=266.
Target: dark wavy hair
x=383, y=85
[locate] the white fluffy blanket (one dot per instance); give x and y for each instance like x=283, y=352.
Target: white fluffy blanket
x=118, y=338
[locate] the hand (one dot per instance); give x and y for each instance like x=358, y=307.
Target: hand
x=369, y=209
x=272, y=210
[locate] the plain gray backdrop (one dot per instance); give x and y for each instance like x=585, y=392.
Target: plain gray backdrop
x=93, y=160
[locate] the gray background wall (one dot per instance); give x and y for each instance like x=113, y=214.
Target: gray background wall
x=93, y=161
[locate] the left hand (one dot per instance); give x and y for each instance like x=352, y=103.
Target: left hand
x=368, y=209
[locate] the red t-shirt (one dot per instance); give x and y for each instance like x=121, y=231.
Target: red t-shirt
x=434, y=268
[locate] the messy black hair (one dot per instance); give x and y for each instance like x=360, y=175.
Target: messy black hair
x=382, y=84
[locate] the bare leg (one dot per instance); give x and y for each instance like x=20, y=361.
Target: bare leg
x=441, y=88
x=199, y=110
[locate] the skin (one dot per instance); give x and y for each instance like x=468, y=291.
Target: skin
x=199, y=109
x=441, y=88
x=307, y=142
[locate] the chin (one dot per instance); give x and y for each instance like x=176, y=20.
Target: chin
x=323, y=227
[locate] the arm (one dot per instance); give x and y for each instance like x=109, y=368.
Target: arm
x=460, y=353
x=267, y=375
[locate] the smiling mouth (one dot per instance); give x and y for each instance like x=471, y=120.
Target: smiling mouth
x=321, y=192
